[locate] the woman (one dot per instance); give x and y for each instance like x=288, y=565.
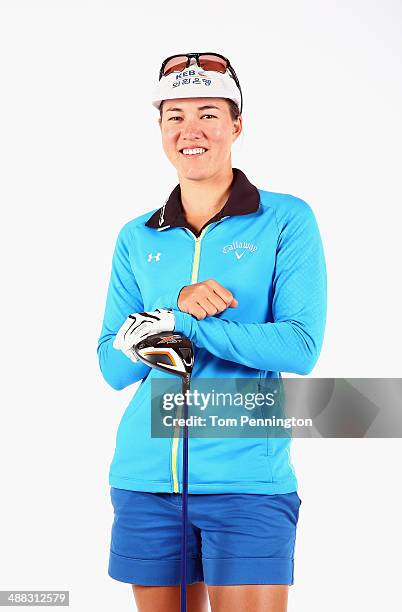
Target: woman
x=241, y=272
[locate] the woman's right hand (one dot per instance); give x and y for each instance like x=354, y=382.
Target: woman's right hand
x=205, y=299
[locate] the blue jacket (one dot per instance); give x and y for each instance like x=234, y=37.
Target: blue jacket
x=266, y=249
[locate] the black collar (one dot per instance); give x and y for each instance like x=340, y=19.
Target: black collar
x=244, y=199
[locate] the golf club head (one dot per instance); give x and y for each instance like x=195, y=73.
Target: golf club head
x=168, y=351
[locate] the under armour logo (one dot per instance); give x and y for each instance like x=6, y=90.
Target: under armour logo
x=156, y=257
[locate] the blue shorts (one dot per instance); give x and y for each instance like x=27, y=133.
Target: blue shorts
x=233, y=538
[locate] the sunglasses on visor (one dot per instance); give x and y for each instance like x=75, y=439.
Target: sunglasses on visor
x=206, y=61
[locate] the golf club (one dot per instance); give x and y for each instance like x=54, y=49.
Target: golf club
x=173, y=352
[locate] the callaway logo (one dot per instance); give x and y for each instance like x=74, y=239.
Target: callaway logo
x=239, y=248
x=156, y=257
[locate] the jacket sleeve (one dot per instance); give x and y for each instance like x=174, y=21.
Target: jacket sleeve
x=123, y=298
x=292, y=342
x=168, y=300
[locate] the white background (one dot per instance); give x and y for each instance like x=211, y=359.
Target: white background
x=81, y=155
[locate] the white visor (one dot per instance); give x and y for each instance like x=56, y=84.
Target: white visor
x=194, y=82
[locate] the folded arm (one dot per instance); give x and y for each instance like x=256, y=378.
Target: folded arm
x=292, y=342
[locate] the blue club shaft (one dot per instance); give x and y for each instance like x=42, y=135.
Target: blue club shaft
x=183, y=589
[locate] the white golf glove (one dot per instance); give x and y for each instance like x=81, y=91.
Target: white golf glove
x=140, y=325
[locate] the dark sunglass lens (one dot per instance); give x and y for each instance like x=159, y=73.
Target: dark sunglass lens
x=176, y=64
x=213, y=62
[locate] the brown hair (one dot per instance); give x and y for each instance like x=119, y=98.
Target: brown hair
x=233, y=108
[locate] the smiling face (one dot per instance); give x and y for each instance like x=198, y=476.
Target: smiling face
x=198, y=123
